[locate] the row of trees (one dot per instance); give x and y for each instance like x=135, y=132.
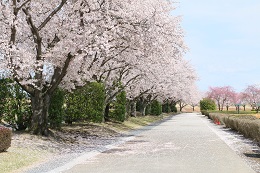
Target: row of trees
x=226, y=97
x=84, y=104
x=133, y=46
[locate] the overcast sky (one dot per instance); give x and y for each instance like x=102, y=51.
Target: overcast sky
x=224, y=41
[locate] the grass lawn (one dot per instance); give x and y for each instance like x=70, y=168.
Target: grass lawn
x=16, y=158
x=133, y=122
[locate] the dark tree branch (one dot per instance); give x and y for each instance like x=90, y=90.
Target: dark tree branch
x=94, y=60
x=54, y=41
x=51, y=15
x=59, y=74
x=26, y=88
x=121, y=89
x=23, y=4
x=35, y=33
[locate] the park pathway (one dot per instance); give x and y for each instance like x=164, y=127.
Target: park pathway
x=183, y=144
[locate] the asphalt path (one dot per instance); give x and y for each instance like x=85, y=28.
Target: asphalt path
x=185, y=143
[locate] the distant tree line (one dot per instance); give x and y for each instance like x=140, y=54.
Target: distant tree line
x=226, y=96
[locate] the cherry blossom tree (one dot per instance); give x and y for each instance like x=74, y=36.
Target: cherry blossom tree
x=162, y=69
x=48, y=43
x=135, y=46
x=195, y=97
x=223, y=96
x=147, y=50
x=242, y=99
x=252, y=95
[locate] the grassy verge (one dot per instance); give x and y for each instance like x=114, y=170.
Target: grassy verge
x=235, y=113
x=134, y=123
x=16, y=158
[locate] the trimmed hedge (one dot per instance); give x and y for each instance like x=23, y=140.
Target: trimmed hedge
x=5, y=138
x=156, y=108
x=247, y=125
x=85, y=103
x=56, y=111
x=207, y=104
x=119, y=107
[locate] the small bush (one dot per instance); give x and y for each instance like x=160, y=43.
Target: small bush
x=204, y=112
x=15, y=104
x=166, y=107
x=156, y=108
x=119, y=107
x=148, y=110
x=85, y=103
x=139, y=105
x=5, y=138
x=75, y=106
x=56, y=108
x=95, y=101
x=207, y=104
x=173, y=108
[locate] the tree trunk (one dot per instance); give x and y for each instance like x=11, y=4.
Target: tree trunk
x=40, y=106
x=244, y=107
x=133, y=109
x=180, y=107
x=106, y=114
x=143, y=108
x=193, y=108
x=128, y=108
x=227, y=107
x=143, y=105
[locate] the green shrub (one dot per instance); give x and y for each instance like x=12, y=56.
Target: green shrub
x=156, y=108
x=204, y=112
x=173, y=108
x=15, y=105
x=119, y=111
x=148, y=110
x=138, y=105
x=166, y=107
x=85, y=103
x=207, y=104
x=74, y=108
x=5, y=138
x=56, y=108
x=95, y=101
x=4, y=94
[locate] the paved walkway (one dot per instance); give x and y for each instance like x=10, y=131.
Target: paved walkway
x=183, y=144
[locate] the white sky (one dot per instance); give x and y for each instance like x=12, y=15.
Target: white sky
x=224, y=41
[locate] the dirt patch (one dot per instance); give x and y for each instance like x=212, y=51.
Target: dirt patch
x=69, y=139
